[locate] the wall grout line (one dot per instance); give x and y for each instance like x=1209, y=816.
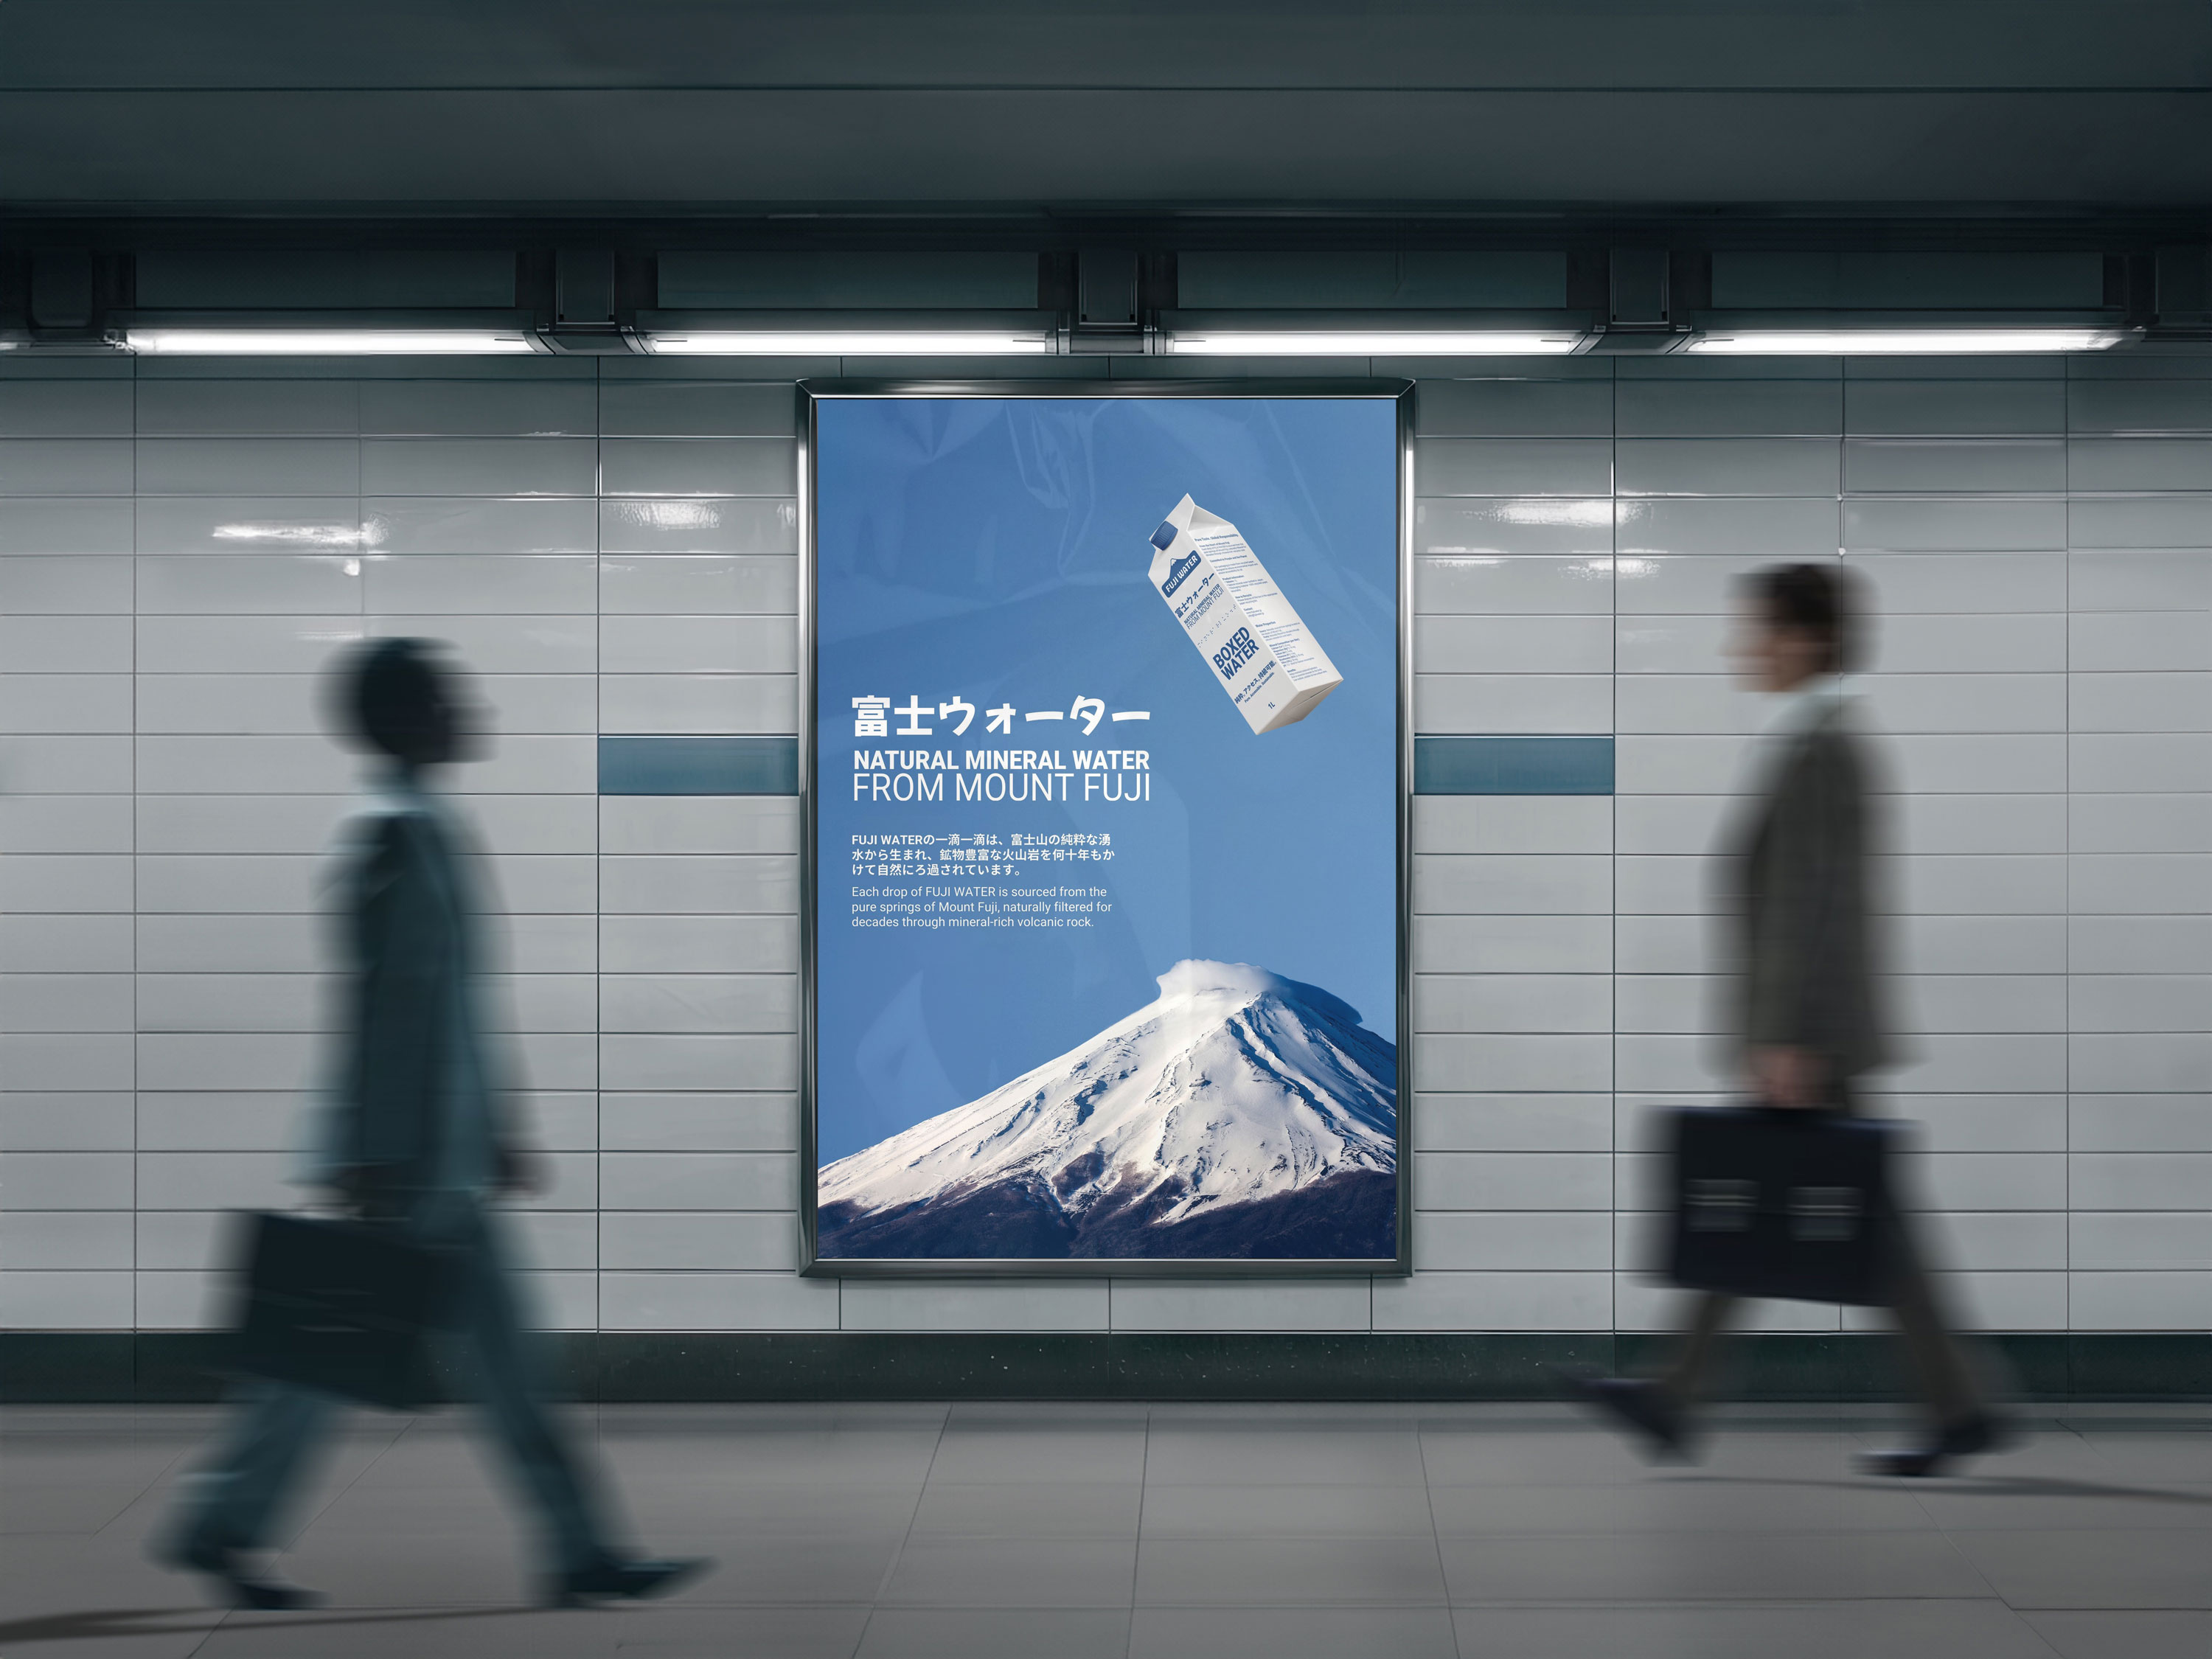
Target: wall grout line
x=2066, y=843
x=598, y=844
x=138, y=1314
x=1613, y=864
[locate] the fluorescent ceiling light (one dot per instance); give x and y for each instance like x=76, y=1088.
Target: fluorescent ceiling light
x=1372, y=343
x=1919, y=342
x=853, y=343
x=325, y=342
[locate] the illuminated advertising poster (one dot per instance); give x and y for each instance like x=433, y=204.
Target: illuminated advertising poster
x=1105, y=811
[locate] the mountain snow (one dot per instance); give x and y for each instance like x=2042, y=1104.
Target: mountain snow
x=1235, y=1085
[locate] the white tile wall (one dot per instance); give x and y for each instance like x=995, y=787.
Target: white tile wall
x=612, y=547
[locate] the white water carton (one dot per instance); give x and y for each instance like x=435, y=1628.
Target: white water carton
x=1265, y=657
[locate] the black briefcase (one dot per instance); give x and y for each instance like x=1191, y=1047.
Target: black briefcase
x=1783, y=1204
x=345, y=1306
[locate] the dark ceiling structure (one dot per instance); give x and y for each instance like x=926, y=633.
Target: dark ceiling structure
x=1483, y=116
x=1141, y=129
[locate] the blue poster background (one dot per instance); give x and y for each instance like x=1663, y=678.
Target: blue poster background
x=996, y=550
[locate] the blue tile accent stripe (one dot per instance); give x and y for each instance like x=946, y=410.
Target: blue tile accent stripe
x=698, y=766
x=1513, y=766
x=1442, y=766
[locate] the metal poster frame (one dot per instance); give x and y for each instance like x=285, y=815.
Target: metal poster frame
x=811, y=395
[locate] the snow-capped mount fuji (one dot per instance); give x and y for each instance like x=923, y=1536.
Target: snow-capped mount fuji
x=1239, y=1114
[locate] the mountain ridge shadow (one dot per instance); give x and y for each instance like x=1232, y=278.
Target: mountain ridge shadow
x=1350, y=1215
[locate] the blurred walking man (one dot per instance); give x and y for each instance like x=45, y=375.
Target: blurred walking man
x=417, y=1139
x=1806, y=1016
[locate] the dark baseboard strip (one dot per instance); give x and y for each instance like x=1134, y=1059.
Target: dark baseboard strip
x=176, y=1367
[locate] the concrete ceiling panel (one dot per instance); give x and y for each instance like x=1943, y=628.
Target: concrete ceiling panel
x=553, y=106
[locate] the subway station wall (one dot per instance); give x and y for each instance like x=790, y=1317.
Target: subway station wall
x=184, y=545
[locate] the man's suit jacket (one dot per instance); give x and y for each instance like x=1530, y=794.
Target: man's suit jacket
x=1798, y=879
x=414, y=1096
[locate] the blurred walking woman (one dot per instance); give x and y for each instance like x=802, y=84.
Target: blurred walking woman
x=1804, y=1020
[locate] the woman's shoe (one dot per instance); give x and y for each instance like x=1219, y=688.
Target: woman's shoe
x=1640, y=1406
x=1982, y=1432
x=614, y=1578
x=235, y=1585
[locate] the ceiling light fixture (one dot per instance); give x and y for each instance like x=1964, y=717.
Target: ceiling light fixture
x=1369, y=342
x=1913, y=342
x=849, y=343
x=326, y=342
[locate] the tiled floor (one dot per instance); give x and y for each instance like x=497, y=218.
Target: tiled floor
x=1074, y=1531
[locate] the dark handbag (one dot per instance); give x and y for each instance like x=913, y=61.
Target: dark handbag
x=345, y=1306
x=1793, y=1205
